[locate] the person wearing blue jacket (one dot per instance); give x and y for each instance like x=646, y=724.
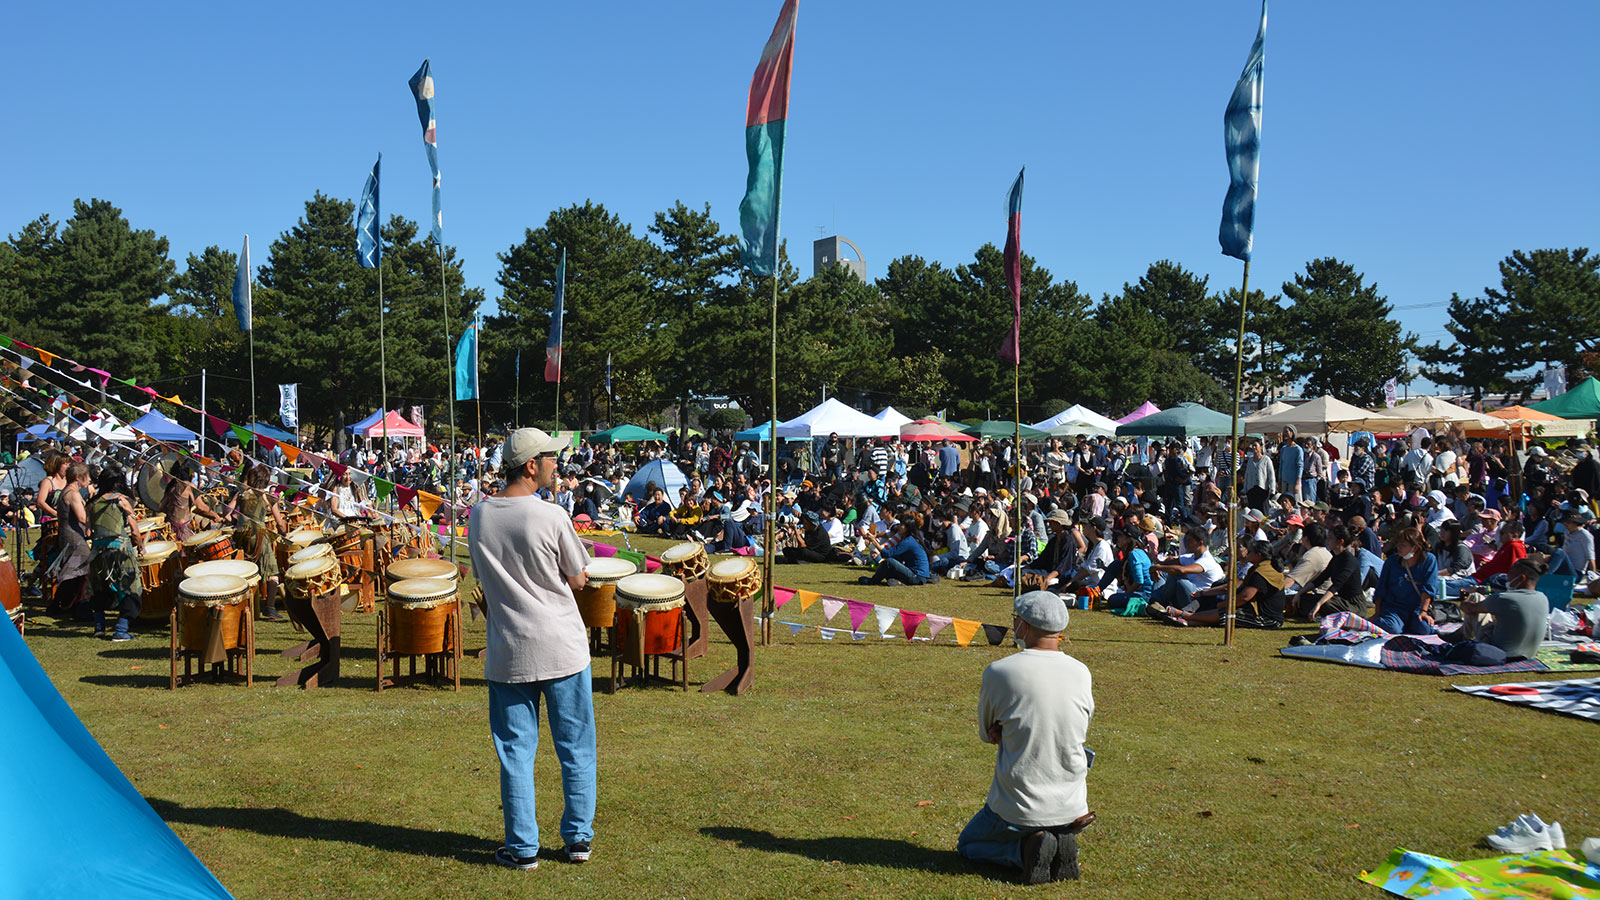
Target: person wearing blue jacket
x=904, y=563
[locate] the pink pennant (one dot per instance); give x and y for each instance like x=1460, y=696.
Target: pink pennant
x=316, y=462
x=911, y=620
x=858, y=613
x=408, y=494
x=218, y=427
x=104, y=376
x=338, y=469
x=150, y=391
x=600, y=550
x=937, y=624
x=780, y=596
x=830, y=608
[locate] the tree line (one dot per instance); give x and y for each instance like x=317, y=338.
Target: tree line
x=673, y=319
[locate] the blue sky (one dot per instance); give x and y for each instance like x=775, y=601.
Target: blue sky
x=1421, y=141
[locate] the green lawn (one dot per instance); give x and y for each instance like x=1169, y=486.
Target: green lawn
x=852, y=766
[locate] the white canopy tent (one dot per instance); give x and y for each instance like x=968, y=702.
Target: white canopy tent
x=1276, y=407
x=1078, y=419
x=1434, y=411
x=1325, y=414
x=832, y=417
x=892, y=416
x=103, y=426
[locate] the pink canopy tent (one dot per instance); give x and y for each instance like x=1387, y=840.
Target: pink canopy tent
x=1145, y=409
x=397, y=425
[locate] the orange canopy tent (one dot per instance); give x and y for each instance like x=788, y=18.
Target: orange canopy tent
x=1526, y=422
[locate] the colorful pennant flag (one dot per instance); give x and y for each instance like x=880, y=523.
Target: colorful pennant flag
x=369, y=243
x=241, y=289
x=911, y=620
x=886, y=616
x=1241, y=140
x=241, y=434
x=558, y=314
x=382, y=489
x=827, y=633
x=290, y=452
x=422, y=89
x=966, y=629
x=406, y=494
x=937, y=624
x=429, y=503
x=766, y=118
x=795, y=628
x=806, y=598
x=830, y=608
x=995, y=634
x=1011, y=350
x=858, y=613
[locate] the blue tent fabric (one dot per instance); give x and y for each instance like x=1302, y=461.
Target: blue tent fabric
x=763, y=432
x=666, y=476
x=369, y=421
x=40, y=433
x=67, y=785
x=162, y=428
x=277, y=434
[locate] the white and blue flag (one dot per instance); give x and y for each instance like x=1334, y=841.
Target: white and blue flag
x=1241, y=130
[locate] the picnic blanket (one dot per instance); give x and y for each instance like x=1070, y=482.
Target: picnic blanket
x=1547, y=873
x=1402, y=653
x=1579, y=697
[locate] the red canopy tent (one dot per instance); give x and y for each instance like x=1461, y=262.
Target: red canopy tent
x=396, y=424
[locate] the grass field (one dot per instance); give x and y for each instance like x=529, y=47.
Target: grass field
x=851, y=767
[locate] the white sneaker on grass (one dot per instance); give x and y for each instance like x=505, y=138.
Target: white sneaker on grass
x=1527, y=835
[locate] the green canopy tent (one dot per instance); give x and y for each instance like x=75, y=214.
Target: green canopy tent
x=623, y=434
x=993, y=428
x=1582, y=402
x=1186, y=420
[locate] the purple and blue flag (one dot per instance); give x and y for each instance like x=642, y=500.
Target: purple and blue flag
x=422, y=89
x=1011, y=350
x=1241, y=135
x=241, y=288
x=552, y=347
x=369, y=246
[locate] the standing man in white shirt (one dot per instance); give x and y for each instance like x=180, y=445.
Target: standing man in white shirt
x=529, y=561
x=1035, y=706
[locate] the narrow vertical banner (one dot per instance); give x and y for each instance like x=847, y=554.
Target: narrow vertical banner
x=422, y=89
x=369, y=247
x=1241, y=133
x=1011, y=349
x=552, y=347
x=289, y=405
x=241, y=289
x=766, y=115
x=467, y=362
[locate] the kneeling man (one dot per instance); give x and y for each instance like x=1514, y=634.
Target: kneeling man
x=1036, y=705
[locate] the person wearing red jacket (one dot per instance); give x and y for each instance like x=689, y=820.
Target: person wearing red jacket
x=1511, y=550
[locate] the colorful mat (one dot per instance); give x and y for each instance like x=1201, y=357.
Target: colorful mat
x=1552, y=874
x=1579, y=697
x=1400, y=654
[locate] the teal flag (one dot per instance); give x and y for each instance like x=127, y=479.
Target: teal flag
x=467, y=362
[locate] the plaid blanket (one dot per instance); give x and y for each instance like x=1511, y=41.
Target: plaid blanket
x=1420, y=655
x=1579, y=697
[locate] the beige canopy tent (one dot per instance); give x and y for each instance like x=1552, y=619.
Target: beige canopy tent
x=1325, y=414
x=1523, y=421
x=1276, y=407
x=1434, y=411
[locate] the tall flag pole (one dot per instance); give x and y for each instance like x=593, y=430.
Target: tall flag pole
x=1011, y=351
x=422, y=89
x=516, y=405
x=552, y=347
x=765, y=125
x=244, y=309
x=1241, y=135
x=369, y=248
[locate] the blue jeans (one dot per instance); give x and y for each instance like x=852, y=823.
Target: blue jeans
x=1455, y=587
x=1175, y=590
x=1406, y=622
x=894, y=568
x=989, y=838
x=514, y=724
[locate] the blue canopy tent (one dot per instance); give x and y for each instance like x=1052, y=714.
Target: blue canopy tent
x=162, y=428
x=763, y=433
x=369, y=421
x=666, y=476
x=277, y=434
x=69, y=786
x=39, y=432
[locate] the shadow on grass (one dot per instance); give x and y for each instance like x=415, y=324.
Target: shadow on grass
x=130, y=681
x=279, y=822
x=859, y=851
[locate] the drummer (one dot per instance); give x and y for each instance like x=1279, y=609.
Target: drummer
x=181, y=503
x=114, y=561
x=260, y=521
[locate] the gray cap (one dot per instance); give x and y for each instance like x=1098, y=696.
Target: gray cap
x=1043, y=610
x=526, y=443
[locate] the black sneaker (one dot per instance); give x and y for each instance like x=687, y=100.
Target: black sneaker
x=272, y=615
x=504, y=857
x=578, y=853
x=1038, y=855
x=1064, y=866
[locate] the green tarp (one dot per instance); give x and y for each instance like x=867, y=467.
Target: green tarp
x=1582, y=402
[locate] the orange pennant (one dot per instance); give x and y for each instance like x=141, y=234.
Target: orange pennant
x=429, y=503
x=46, y=357
x=806, y=598
x=173, y=399
x=965, y=629
x=290, y=451
x=206, y=461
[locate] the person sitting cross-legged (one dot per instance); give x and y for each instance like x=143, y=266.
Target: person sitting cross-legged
x=904, y=563
x=1259, y=597
x=1192, y=570
x=1036, y=706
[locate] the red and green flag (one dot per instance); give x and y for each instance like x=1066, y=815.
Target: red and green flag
x=1011, y=350
x=765, y=117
